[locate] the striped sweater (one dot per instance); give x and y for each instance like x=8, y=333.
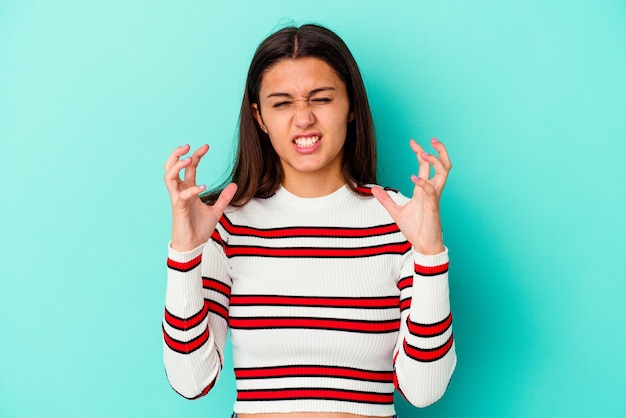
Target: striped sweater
x=328, y=306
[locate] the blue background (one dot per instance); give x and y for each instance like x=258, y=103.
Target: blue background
x=529, y=97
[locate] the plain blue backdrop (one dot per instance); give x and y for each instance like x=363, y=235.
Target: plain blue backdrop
x=530, y=98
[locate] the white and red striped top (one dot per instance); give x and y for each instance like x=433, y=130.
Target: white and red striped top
x=328, y=305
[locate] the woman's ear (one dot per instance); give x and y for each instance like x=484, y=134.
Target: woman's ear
x=257, y=115
x=350, y=116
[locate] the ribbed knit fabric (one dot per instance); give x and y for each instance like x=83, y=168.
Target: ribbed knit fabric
x=328, y=305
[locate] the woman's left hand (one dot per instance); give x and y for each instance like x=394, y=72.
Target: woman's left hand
x=419, y=219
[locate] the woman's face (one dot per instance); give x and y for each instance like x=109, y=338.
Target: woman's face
x=304, y=108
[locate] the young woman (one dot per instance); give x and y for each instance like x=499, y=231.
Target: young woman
x=335, y=291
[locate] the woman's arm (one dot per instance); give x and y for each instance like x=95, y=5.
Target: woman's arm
x=198, y=285
x=195, y=322
x=425, y=356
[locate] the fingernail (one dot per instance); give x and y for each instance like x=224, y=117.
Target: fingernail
x=202, y=187
x=435, y=139
x=183, y=146
x=187, y=159
x=425, y=154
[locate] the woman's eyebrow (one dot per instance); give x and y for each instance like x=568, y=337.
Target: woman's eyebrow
x=311, y=93
x=278, y=94
x=319, y=90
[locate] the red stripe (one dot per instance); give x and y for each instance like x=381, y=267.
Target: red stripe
x=214, y=284
x=368, y=190
x=186, y=323
x=185, y=266
x=314, y=371
x=427, y=355
x=396, y=384
x=215, y=236
x=299, y=232
x=205, y=391
x=405, y=282
x=405, y=304
x=217, y=308
x=315, y=393
x=186, y=347
x=395, y=248
x=429, y=330
x=332, y=302
x=431, y=271
x=315, y=323
x=364, y=190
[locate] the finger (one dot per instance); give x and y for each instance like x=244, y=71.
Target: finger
x=430, y=192
x=424, y=164
x=423, y=184
x=441, y=172
x=224, y=199
x=190, y=193
x=175, y=156
x=190, y=171
x=172, y=175
x=435, y=162
x=385, y=200
x=424, y=170
x=443, y=153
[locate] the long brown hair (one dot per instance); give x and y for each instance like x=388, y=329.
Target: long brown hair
x=257, y=170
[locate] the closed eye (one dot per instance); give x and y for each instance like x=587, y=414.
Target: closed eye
x=321, y=100
x=282, y=104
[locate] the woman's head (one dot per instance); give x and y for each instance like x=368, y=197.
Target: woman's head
x=257, y=170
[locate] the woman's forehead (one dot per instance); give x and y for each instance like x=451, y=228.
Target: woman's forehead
x=301, y=76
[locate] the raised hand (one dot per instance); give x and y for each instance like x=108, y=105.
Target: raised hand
x=193, y=221
x=419, y=219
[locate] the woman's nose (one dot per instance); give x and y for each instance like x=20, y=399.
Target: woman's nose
x=303, y=115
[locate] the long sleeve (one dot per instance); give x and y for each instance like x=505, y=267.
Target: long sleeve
x=309, y=290
x=425, y=355
x=195, y=322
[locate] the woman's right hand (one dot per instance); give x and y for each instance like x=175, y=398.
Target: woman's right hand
x=193, y=221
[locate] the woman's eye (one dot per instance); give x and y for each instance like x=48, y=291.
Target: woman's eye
x=279, y=105
x=321, y=100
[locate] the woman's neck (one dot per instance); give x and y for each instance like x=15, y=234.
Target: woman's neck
x=313, y=185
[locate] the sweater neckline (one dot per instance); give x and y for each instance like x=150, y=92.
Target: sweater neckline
x=312, y=202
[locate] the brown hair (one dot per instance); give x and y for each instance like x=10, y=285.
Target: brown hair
x=257, y=170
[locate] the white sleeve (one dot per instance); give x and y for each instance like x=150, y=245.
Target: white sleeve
x=195, y=321
x=425, y=355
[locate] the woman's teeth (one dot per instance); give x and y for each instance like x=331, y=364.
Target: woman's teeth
x=306, y=142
